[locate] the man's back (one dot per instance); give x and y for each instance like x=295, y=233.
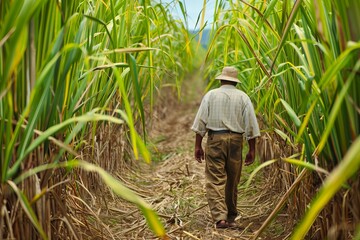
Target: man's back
x=226, y=108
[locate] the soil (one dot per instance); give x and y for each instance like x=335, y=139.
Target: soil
x=174, y=182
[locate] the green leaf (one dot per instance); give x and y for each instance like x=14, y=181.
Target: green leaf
x=91, y=116
x=27, y=209
x=137, y=90
x=253, y=173
x=346, y=169
x=104, y=25
x=291, y=113
x=336, y=110
x=270, y=8
x=304, y=164
x=286, y=30
x=124, y=192
x=114, y=184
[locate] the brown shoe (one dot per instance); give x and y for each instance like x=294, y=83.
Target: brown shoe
x=222, y=224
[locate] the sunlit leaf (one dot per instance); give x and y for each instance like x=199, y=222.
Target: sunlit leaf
x=346, y=169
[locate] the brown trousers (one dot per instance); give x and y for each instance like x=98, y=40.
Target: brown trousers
x=222, y=171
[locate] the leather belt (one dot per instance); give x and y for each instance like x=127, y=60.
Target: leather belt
x=222, y=132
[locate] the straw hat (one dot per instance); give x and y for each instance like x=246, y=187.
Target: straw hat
x=229, y=74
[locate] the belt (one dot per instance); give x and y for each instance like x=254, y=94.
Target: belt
x=222, y=132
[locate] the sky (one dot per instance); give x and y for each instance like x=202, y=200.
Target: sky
x=193, y=8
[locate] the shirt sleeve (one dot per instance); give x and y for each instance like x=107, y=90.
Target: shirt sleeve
x=201, y=118
x=250, y=122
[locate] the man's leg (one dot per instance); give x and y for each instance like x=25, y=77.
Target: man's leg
x=216, y=176
x=233, y=169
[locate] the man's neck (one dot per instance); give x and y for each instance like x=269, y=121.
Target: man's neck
x=228, y=83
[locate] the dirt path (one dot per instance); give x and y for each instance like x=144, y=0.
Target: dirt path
x=174, y=183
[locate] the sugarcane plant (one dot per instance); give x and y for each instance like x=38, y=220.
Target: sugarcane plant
x=299, y=63
x=68, y=68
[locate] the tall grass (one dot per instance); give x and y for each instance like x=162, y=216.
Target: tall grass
x=299, y=63
x=66, y=68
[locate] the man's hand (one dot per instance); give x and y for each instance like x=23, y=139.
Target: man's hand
x=250, y=157
x=199, y=154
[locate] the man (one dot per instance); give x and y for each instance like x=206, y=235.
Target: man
x=225, y=113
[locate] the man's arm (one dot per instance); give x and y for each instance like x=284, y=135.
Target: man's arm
x=252, y=131
x=199, y=152
x=250, y=157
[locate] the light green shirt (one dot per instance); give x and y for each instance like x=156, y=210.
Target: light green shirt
x=226, y=108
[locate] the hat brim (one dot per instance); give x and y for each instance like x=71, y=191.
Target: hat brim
x=227, y=78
